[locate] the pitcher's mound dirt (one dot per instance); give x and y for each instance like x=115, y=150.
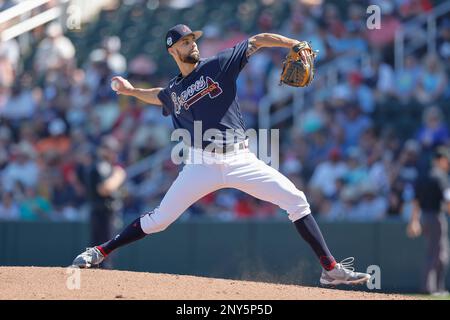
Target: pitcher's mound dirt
x=54, y=283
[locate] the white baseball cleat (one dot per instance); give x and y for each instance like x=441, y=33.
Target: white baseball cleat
x=89, y=258
x=344, y=273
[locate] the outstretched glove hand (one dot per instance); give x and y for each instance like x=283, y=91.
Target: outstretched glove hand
x=298, y=67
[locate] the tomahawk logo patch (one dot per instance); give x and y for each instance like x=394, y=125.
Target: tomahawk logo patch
x=196, y=92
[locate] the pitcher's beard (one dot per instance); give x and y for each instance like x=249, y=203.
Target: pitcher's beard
x=192, y=58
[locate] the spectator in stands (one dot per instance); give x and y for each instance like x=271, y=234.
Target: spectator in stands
x=211, y=43
x=378, y=160
x=148, y=139
x=4, y=158
x=22, y=103
x=234, y=34
x=80, y=97
x=245, y=207
x=300, y=26
x=265, y=21
x=58, y=142
x=434, y=131
x=327, y=173
x=4, y=96
x=380, y=39
x=33, y=206
x=412, y=8
x=404, y=174
x=250, y=92
x=372, y=206
x=115, y=60
x=22, y=167
x=356, y=17
x=407, y=167
x=9, y=61
x=55, y=51
x=443, y=41
x=9, y=210
x=10, y=49
x=432, y=81
x=354, y=123
x=357, y=171
x=360, y=93
x=379, y=76
x=352, y=40
x=95, y=69
x=345, y=206
x=406, y=80
x=28, y=132
x=78, y=175
x=333, y=21
x=319, y=145
x=225, y=205
x=297, y=26
x=5, y=140
x=395, y=199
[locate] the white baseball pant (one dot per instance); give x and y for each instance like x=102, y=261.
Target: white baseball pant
x=241, y=170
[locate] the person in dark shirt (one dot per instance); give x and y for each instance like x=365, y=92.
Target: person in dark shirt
x=432, y=200
x=104, y=179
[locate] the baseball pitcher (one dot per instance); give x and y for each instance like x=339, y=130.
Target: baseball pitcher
x=205, y=91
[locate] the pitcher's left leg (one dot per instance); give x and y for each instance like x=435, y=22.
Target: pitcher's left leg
x=258, y=179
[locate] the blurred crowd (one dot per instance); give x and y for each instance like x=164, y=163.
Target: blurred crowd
x=353, y=163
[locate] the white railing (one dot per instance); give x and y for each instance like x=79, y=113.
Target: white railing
x=412, y=30
x=30, y=24
x=20, y=8
x=23, y=11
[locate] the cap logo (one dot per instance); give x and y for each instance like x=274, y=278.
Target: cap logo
x=169, y=41
x=185, y=29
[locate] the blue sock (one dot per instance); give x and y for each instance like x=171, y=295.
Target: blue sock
x=131, y=233
x=309, y=230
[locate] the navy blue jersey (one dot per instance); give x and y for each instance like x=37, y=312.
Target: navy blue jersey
x=208, y=94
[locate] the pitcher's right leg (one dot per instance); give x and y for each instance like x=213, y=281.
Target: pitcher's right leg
x=194, y=182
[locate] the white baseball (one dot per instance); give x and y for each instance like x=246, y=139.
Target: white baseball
x=115, y=85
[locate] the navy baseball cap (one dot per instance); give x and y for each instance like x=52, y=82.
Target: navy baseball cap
x=178, y=32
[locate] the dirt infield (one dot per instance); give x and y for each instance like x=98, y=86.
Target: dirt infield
x=38, y=283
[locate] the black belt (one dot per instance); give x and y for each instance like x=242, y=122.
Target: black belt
x=230, y=148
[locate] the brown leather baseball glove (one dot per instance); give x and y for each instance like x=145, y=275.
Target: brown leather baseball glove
x=298, y=67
